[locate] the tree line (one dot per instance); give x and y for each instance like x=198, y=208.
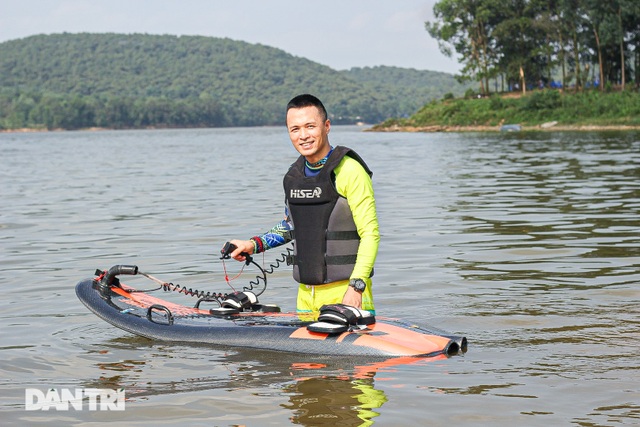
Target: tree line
x=533, y=43
x=73, y=81
x=57, y=111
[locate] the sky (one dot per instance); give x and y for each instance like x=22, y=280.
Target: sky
x=338, y=33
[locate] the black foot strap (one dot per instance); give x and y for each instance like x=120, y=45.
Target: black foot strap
x=335, y=318
x=240, y=300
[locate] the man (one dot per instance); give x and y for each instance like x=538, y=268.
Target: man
x=330, y=213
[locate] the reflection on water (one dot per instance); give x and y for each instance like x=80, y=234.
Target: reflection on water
x=326, y=392
x=528, y=244
x=334, y=401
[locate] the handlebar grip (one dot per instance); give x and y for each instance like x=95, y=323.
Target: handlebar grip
x=230, y=247
x=117, y=270
x=227, y=249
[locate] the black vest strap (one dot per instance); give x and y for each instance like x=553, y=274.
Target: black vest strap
x=342, y=235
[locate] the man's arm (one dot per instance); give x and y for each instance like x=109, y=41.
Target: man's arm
x=279, y=235
x=354, y=183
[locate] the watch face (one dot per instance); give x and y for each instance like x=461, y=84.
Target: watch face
x=359, y=285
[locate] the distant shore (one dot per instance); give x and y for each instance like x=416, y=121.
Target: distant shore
x=542, y=128
x=538, y=111
x=398, y=128
x=33, y=130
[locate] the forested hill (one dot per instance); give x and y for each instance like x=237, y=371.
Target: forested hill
x=122, y=81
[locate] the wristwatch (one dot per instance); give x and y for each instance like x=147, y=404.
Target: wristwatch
x=358, y=284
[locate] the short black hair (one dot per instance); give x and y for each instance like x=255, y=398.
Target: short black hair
x=307, y=100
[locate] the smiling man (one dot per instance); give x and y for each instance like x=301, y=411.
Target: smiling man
x=330, y=214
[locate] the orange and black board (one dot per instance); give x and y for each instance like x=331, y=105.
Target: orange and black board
x=146, y=315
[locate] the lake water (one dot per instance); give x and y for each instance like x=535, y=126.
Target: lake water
x=528, y=244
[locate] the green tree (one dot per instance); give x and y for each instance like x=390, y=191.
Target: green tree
x=466, y=27
x=529, y=39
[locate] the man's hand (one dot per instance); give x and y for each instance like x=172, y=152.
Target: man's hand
x=242, y=246
x=352, y=298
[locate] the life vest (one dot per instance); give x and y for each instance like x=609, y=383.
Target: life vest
x=326, y=237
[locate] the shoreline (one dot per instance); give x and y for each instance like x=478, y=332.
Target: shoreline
x=546, y=127
x=34, y=130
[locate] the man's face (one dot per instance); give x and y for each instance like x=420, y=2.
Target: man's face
x=309, y=133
